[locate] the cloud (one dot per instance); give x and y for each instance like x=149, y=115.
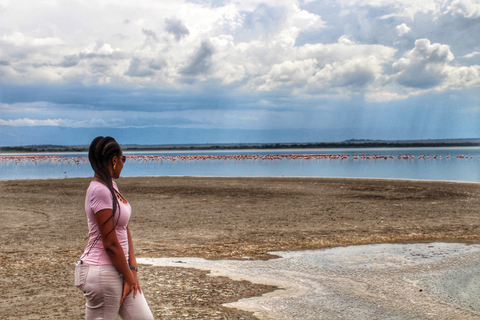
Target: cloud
x=75, y=121
x=465, y=8
x=139, y=68
x=341, y=68
x=264, y=21
x=462, y=77
x=104, y=53
x=175, y=27
x=201, y=62
x=305, y=76
x=281, y=47
x=18, y=39
x=150, y=35
x=471, y=55
x=356, y=72
x=70, y=61
x=31, y=122
x=290, y=74
x=425, y=66
x=403, y=29
x=223, y=64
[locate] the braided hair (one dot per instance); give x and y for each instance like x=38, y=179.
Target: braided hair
x=101, y=152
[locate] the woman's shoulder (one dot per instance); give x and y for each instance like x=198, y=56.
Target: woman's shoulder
x=96, y=187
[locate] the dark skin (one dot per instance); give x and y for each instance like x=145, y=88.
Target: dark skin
x=110, y=242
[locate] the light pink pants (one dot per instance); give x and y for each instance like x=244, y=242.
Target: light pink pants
x=103, y=286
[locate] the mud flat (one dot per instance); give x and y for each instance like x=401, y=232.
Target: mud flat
x=44, y=228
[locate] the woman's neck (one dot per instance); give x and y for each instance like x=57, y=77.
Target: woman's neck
x=97, y=179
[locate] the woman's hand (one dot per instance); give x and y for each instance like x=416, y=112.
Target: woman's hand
x=136, y=286
x=133, y=262
x=127, y=288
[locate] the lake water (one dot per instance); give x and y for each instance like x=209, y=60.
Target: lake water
x=445, y=164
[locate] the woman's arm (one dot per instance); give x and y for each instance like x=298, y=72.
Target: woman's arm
x=133, y=262
x=114, y=250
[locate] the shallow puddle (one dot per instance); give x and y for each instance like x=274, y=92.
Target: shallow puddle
x=394, y=281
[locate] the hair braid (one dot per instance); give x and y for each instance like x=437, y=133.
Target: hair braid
x=102, y=150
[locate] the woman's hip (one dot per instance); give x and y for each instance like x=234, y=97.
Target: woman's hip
x=98, y=278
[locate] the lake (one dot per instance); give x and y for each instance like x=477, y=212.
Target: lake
x=437, y=164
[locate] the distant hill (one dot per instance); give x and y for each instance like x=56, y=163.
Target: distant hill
x=352, y=143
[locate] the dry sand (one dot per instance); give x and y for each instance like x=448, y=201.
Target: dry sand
x=44, y=231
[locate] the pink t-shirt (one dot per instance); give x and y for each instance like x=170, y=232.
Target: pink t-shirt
x=99, y=198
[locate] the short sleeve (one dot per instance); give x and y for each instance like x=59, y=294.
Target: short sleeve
x=101, y=199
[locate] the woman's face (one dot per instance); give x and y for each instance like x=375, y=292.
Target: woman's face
x=117, y=165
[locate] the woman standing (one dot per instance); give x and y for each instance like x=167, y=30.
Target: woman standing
x=106, y=273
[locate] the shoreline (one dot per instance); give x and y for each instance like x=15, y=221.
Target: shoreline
x=255, y=177
x=214, y=218
x=347, y=144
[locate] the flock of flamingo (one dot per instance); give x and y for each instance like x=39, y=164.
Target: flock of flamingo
x=150, y=158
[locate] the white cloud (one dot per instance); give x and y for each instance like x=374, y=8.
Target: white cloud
x=251, y=45
x=400, y=8
x=96, y=56
x=341, y=68
x=345, y=40
x=71, y=123
x=289, y=74
x=462, y=77
x=428, y=67
x=332, y=78
x=21, y=40
x=403, y=29
x=411, y=8
x=465, y=8
x=31, y=122
x=471, y=55
x=424, y=66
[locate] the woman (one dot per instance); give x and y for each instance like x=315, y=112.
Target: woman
x=106, y=273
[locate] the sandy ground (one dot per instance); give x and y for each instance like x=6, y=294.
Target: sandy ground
x=44, y=230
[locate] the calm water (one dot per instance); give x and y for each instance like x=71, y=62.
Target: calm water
x=426, y=164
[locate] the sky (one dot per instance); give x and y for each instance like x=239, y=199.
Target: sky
x=225, y=71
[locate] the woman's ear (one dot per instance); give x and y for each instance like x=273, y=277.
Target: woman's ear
x=114, y=162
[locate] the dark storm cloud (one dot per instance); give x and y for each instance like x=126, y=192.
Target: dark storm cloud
x=111, y=98
x=144, y=68
x=175, y=27
x=70, y=61
x=139, y=68
x=201, y=62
